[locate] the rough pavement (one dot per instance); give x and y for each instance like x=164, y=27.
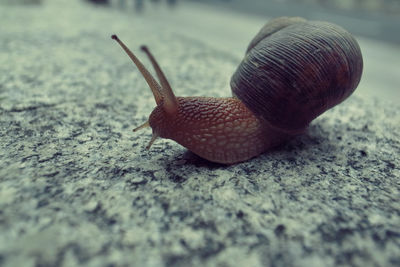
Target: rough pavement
x=77, y=187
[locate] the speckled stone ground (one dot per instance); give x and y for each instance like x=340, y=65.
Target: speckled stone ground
x=77, y=187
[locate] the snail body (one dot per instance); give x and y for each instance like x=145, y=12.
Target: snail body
x=222, y=130
x=293, y=71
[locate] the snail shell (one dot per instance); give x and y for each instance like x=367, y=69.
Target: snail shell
x=294, y=70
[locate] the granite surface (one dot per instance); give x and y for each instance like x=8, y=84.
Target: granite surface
x=78, y=188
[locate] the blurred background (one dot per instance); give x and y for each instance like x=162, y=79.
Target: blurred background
x=229, y=25
x=374, y=18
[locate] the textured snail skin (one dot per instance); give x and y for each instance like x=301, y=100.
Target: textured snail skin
x=221, y=130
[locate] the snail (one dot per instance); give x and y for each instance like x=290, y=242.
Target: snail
x=293, y=71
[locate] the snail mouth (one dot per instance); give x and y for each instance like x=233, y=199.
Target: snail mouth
x=159, y=123
x=154, y=136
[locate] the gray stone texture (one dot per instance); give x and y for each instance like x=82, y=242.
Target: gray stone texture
x=77, y=187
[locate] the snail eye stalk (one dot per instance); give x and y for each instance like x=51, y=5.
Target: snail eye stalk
x=153, y=84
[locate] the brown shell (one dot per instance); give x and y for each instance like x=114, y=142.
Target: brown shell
x=294, y=70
